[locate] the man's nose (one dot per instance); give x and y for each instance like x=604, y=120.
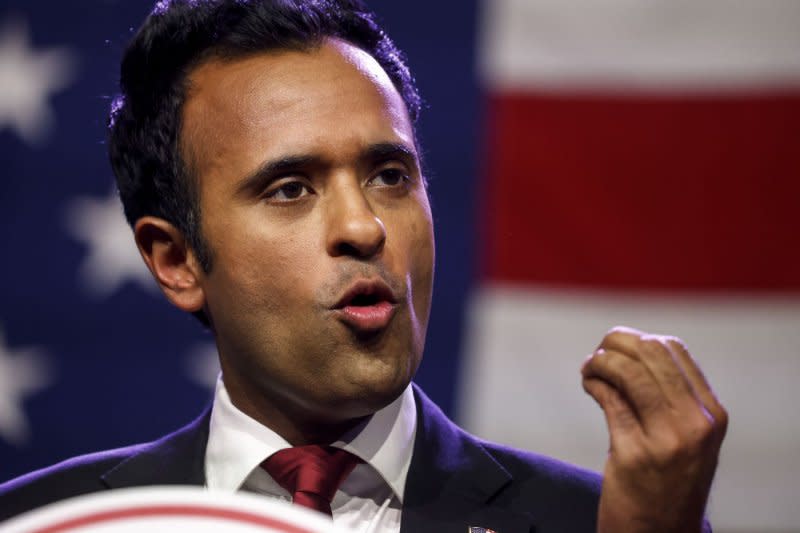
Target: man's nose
x=353, y=227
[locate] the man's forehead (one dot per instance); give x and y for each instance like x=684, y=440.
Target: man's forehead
x=292, y=101
x=274, y=76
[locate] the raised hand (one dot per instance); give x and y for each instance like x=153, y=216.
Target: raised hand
x=665, y=429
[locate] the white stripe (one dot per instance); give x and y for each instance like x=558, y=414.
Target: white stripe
x=635, y=44
x=521, y=383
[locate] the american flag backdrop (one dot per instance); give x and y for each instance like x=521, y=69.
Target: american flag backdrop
x=642, y=168
x=591, y=164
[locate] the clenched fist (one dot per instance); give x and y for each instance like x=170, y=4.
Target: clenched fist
x=665, y=429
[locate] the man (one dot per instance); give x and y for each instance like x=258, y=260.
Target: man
x=266, y=157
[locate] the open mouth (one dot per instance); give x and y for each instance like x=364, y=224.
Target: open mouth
x=366, y=293
x=368, y=305
x=365, y=300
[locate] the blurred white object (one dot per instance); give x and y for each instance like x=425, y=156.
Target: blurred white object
x=170, y=509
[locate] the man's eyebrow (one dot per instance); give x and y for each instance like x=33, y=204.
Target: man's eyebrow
x=388, y=150
x=255, y=181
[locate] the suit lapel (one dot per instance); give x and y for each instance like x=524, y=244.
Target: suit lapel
x=177, y=459
x=452, y=480
x=449, y=487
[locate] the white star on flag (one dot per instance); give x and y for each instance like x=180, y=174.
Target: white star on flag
x=113, y=257
x=22, y=373
x=29, y=78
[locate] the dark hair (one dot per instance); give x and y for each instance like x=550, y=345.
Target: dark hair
x=145, y=120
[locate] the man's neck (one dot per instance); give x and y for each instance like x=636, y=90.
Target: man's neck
x=296, y=425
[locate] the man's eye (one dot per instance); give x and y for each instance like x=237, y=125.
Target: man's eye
x=390, y=177
x=290, y=190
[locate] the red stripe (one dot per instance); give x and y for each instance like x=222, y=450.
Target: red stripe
x=647, y=192
x=169, y=511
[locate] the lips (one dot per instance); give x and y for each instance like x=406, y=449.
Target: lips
x=366, y=306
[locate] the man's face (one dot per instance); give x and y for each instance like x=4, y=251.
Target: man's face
x=314, y=208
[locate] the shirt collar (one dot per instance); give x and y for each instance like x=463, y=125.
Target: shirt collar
x=237, y=444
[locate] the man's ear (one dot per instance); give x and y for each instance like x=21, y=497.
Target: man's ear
x=171, y=261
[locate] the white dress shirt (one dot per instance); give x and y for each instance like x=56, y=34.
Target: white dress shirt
x=370, y=498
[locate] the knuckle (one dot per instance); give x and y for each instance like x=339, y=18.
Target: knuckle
x=596, y=359
x=606, y=365
x=683, y=448
x=620, y=334
x=619, y=328
x=721, y=419
x=676, y=343
x=697, y=434
x=614, y=336
x=669, y=450
x=701, y=428
x=599, y=364
x=683, y=444
x=635, y=458
x=653, y=346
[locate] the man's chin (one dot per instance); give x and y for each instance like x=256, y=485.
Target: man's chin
x=364, y=398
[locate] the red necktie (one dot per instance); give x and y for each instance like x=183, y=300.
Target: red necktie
x=311, y=474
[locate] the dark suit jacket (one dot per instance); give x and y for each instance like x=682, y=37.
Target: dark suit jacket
x=455, y=480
